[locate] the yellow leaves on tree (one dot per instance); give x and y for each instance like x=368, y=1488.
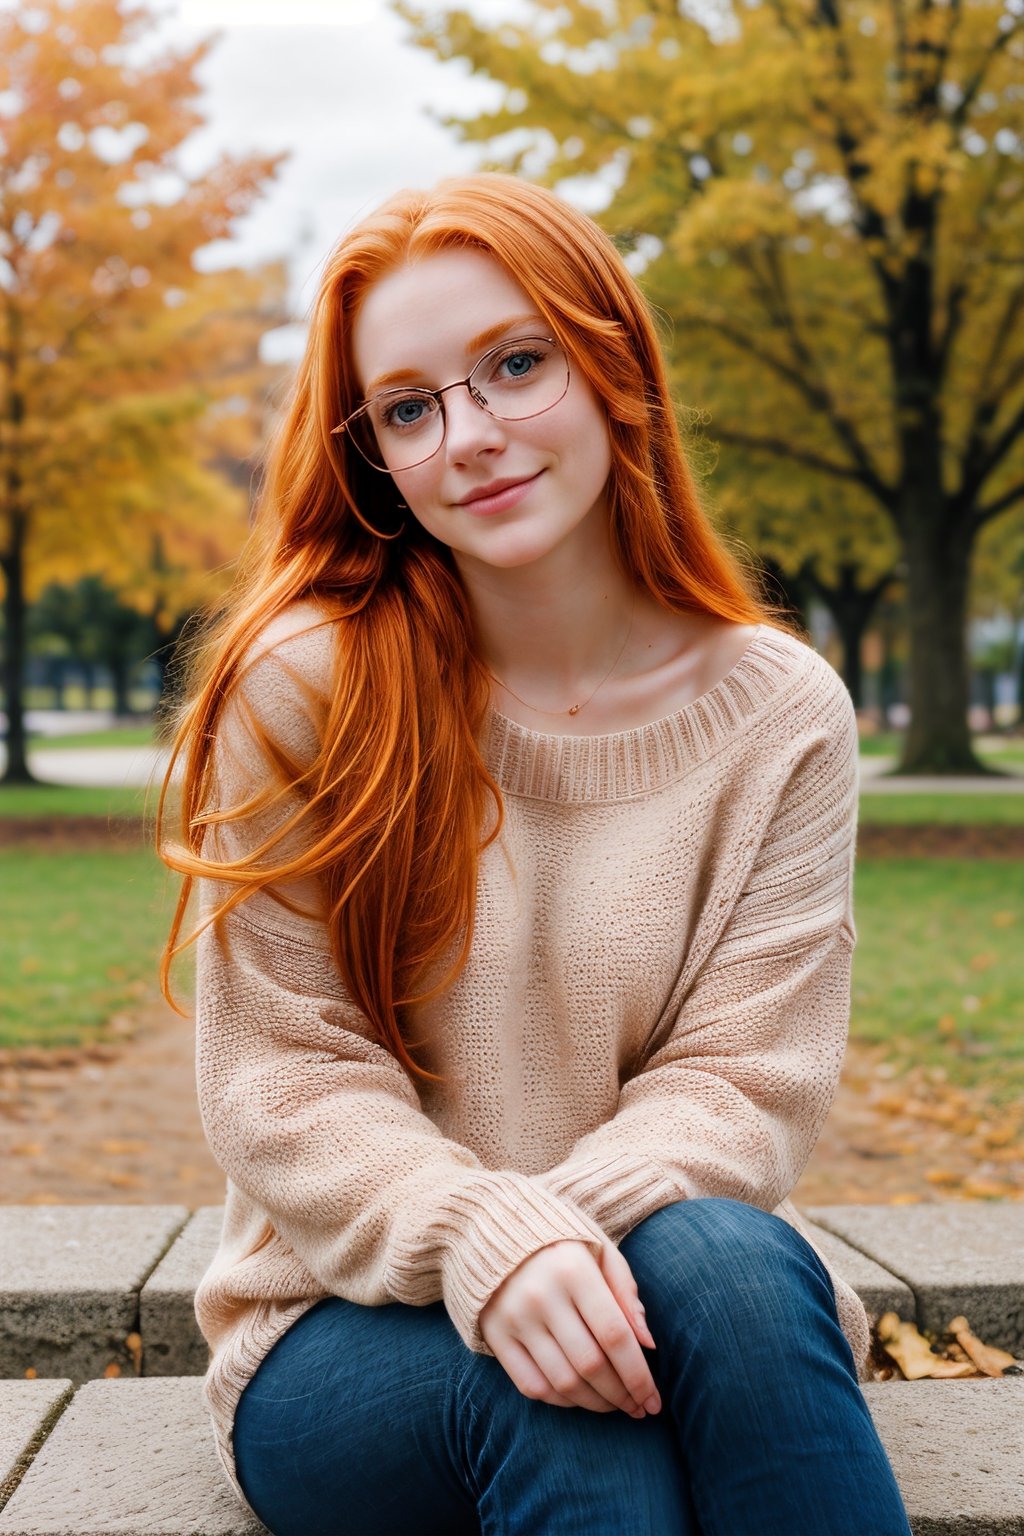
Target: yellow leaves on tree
x=128, y=378
x=826, y=203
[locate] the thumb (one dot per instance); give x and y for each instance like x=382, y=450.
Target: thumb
x=619, y=1279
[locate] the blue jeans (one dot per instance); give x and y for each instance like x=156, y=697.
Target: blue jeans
x=378, y=1421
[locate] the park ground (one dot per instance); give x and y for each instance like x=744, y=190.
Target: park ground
x=97, y=1096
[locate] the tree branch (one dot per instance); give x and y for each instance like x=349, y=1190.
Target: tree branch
x=985, y=514
x=783, y=450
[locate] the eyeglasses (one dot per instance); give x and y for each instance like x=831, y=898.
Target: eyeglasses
x=401, y=428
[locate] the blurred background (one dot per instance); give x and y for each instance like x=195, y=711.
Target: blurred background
x=826, y=210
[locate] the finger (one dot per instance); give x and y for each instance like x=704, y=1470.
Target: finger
x=623, y=1287
x=616, y=1337
x=596, y=1386
x=521, y=1369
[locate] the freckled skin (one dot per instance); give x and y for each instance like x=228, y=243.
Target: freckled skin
x=420, y=317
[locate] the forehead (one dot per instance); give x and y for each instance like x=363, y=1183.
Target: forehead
x=422, y=315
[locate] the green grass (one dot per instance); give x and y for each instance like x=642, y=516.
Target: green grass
x=1000, y=752
x=141, y=735
x=80, y=933
x=55, y=800
x=950, y=810
x=938, y=971
x=939, y=967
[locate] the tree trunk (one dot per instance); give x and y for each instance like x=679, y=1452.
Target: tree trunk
x=938, y=738
x=120, y=671
x=851, y=608
x=12, y=563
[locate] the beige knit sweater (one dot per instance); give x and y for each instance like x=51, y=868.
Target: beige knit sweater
x=655, y=1009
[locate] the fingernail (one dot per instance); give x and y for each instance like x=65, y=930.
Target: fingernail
x=653, y=1403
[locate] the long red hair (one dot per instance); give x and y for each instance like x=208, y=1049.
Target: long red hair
x=398, y=797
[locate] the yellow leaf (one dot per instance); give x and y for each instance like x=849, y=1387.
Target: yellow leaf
x=991, y=1361
x=912, y=1352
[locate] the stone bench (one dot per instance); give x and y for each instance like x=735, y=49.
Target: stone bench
x=106, y=1292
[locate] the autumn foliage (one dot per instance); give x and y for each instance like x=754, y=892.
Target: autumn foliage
x=825, y=199
x=129, y=380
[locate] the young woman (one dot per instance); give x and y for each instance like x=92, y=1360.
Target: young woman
x=524, y=835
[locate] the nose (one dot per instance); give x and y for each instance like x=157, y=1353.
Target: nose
x=470, y=429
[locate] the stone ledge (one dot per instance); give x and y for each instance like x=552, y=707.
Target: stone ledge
x=128, y=1458
x=75, y=1281
x=172, y=1343
x=28, y=1411
x=136, y=1458
x=70, y=1281
x=957, y=1257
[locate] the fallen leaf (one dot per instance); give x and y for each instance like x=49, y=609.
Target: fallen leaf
x=912, y=1352
x=988, y=1359
x=133, y=1343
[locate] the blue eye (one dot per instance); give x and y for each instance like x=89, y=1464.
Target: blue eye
x=519, y=364
x=406, y=412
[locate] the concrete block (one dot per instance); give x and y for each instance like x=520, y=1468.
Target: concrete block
x=70, y=1277
x=955, y=1447
x=27, y=1410
x=171, y=1342
x=129, y=1458
x=955, y=1257
x=877, y=1288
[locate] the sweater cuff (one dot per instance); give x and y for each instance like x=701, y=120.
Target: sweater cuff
x=617, y=1192
x=475, y=1235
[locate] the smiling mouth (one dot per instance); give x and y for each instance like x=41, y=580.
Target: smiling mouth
x=498, y=490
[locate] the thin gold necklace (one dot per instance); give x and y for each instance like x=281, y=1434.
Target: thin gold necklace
x=573, y=709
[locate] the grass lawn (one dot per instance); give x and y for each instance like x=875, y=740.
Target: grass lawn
x=55, y=800
x=950, y=810
x=79, y=937
x=117, y=736
x=939, y=967
x=938, y=972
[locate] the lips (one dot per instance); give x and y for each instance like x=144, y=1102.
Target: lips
x=498, y=496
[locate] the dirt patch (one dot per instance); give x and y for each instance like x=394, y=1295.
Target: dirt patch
x=82, y=833
x=119, y=1123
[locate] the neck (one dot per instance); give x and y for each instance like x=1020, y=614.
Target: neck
x=551, y=629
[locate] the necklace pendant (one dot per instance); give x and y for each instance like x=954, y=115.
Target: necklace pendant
x=573, y=710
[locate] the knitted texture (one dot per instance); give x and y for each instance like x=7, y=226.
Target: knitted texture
x=654, y=1009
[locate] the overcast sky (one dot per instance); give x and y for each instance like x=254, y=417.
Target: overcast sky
x=336, y=83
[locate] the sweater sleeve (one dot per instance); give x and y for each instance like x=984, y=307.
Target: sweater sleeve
x=306, y=1113
x=735, y=1088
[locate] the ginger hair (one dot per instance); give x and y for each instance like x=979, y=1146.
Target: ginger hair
x=398, y=797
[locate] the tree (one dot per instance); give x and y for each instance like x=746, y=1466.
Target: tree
x=826, y=198
x=113, y=347
x=96, y=629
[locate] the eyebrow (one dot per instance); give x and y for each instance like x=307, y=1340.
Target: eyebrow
x=476, y=344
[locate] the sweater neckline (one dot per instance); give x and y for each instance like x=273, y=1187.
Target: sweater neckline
x=624, y=764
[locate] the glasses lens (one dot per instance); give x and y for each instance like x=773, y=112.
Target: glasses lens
x=398, y=429
x=521, y=378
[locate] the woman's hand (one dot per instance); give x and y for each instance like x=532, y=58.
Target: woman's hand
x=567, y=1327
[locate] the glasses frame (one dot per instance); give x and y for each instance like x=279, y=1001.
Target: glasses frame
x=438, y=394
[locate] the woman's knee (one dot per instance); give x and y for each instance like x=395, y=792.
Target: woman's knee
x=700, y=1251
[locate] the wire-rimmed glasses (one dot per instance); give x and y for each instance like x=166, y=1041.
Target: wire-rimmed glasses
x=400, y=428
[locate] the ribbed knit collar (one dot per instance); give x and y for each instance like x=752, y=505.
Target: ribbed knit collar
x=625, y=764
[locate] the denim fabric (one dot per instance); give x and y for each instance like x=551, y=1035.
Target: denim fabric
x=378, y=1421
